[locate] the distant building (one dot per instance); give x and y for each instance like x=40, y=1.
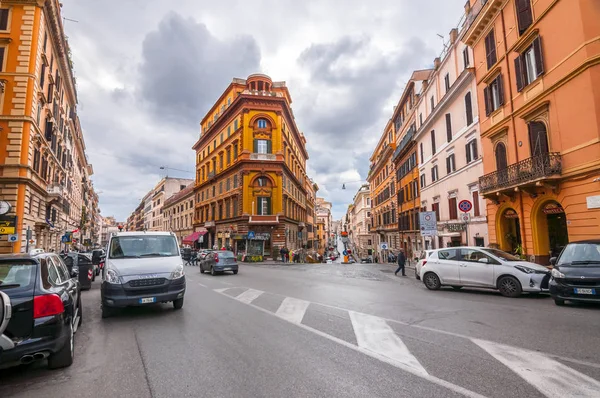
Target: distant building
x=178, y=214
x=166, y=188
x=358, y=220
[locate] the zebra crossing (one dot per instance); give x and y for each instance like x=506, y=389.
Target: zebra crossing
x=493, y=369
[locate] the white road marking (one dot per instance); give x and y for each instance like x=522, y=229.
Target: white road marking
x=227, y=283
x=440, y=382
x=550, y=377
x=222, y=290
x=188, y=278
x=374, y=334
x=292, y=309
x=202, y=284
x=249, y=296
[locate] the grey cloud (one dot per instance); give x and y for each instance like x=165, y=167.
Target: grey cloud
x=184, y=67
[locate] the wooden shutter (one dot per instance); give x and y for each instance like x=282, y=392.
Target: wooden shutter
x=255, y=146
x=476, y=212
x=486, y=100
x=448, y=127
x=520, y=72
x=422, y=153
x=474, y=149
x=539, y=58
x=269, y=148
x=538, y=139
x=268, y=206
x=433, y=142
x=490, y=49
x=50, y=93
x=469, y=109
x=524, y=15
x=453, y=208
x=500, y=82
x=3, y=18
x=448, y=165
x=2, y=49
x=466, y=57
x=468, y=152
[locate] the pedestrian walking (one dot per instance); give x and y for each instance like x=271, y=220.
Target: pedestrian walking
x=282, y=253
x=401, y=262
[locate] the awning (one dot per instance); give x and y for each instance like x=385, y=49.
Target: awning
x=194, y=236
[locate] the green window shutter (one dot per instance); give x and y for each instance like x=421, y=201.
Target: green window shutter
x=255, y=146
x=268, y=206
x=269, y=150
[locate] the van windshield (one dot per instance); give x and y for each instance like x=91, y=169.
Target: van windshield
x=143, y=246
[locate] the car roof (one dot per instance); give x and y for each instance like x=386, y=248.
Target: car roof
x=24, y=256
x=596, y=241
x=142, y=233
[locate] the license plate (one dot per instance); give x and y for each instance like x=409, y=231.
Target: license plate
x=585, y=291
x=226, y=269
x=147, y=300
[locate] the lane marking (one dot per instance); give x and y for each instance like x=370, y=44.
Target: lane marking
x=249, y=296
x=222, y=291
x=374, y=334
x=292, y=309
x=188, y=278
x=227, y=283
x=202, y=284
x=442, y=383
x=550, y=377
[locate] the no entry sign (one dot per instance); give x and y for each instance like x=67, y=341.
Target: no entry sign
x=465, y=206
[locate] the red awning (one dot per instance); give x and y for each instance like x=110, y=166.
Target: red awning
x=194, y=237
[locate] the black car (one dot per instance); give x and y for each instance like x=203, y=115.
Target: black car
x=42, y=303
x=98, y=256
x=576, y=273
x=83, y=262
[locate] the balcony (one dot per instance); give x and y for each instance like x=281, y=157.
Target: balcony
x=55, y=191
x=531, y=171
x=263, y=156
x=211, y=174
x=264, y=220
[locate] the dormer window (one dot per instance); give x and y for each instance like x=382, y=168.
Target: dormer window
x=261, y=123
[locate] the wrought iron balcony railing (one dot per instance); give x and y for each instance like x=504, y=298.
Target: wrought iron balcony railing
x=524, y=172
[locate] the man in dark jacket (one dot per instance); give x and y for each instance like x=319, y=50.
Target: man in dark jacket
x=401, y=262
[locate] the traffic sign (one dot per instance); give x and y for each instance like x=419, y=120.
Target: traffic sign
x=13, y=238
x=383, y=246
x=428, y=222
x=465, y=217
x=251, y=234
x=465, y=206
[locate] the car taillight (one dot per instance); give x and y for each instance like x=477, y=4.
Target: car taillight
x=216, y=258
x=101, y=265
x=47, y=305
x=424, y=262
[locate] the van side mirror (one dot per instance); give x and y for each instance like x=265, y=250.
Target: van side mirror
x=553, y=261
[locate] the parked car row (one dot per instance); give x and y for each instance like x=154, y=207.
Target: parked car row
x=574, y=277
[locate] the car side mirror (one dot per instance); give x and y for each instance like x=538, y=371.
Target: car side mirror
x=483, y=260
x=74, y=272
x=553, y=261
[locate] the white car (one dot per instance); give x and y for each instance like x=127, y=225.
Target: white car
x=422, y=260
x=483, y=267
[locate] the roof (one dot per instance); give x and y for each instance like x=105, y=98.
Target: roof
x=422, y=74
x=141, y=233
x=188, y=190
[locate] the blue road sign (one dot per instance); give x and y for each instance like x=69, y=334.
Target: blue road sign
x=251, y=235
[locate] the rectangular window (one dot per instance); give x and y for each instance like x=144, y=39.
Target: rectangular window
x=423, y=182
x=493, y=95
x=235, y=125
x=466, y=61
x=529, y=65
x=448, y=127
x=36, y=160
x=220, y=187
x=524, y=15
x=476, y=212
x=469, y=109
x=228, y=156
x=4, y=18
x=263, y=206
x=235, y=151
x=262, y=146
x=2, y=53
x=421, y=152
x=450, y=164
x=447, y=81
x=434, y=174
x=490, y=49
x=436, y=208
x=235, y=206
x=420, y=119
x=214, y=145
x=50, y=95
x=433, y=149
x=453, y=208
x=471, y=151
x=221, y=139
x=432, y=103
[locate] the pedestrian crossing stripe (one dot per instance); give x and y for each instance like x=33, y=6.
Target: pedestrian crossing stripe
x=376, y=338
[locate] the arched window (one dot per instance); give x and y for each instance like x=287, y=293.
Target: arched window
x=262, y=181
x=538, y=139
x=261, y=123
x=501, y=164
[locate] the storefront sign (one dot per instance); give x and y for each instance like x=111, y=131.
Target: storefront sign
x=262, y=236
x=8, y=225
x=455, y=227
x=593, y=202
x=428, y=223
x=510, y=213
x=553, y=208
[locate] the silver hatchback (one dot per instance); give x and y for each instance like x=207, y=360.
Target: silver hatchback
x=218, y=262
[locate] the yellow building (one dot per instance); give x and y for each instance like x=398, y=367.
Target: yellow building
x=250, y=170
x=44, y=174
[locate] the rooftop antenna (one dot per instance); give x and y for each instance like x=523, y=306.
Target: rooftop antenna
x=70, y=20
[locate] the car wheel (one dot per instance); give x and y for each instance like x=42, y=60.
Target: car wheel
x=559, y=302
x=212, y=271
x=64, y=357
x=456, y=287
x=509, y=286
x=178, y=304
x=93, y=276
x=235, y=272
x=417, y=277
x=432, y=281
x=107, y=312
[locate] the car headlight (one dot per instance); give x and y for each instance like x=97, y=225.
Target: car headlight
x=557, y=274
x=525, y=269
x=111, y=277
x=177, y=273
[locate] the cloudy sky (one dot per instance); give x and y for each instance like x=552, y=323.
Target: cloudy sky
x=148, y=70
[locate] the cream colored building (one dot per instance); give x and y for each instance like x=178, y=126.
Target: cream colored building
x=178, y=213
x=359, y=222
x=165, y=188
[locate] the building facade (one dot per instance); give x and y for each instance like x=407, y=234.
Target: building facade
x=358, y=225
x=251, y=170
x=381, y=178
x=165, y=189
x=449, y=149
x=323, y=211
x=537, y=67
x=311, y=214
x=44, y=172
x=178, y=213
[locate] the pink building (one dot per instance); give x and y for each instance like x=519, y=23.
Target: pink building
x=449, y=148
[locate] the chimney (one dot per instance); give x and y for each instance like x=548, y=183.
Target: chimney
x=468, y=7
x=453, y=35
x=436, y=63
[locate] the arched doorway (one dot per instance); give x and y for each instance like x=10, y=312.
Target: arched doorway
x=509, y=230
x=501, y=163
x=550, y=230
x=538, y=139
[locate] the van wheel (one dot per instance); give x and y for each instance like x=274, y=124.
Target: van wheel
x=107, y=312
x=64, y=357
x=509, y=287
x=432, y=281
x=178, y=304
x=559, y=302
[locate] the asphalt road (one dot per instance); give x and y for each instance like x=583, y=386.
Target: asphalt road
x=326, y=330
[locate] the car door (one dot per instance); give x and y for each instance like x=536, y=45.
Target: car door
x=476, y=268
x=69, y=283
x=447, y=266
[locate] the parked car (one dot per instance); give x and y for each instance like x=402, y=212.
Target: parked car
x=420, y=262
x=98, y=256
x=85, y=268
x=142, y=268
x=40, y=310
x=219, y=261
x=366, y=260
x=576, y=273
x=483, y=268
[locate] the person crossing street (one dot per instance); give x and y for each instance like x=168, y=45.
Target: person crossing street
x=401, y=263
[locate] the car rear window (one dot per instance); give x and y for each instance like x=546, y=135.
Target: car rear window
x=16, y=274
x=226, y=254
